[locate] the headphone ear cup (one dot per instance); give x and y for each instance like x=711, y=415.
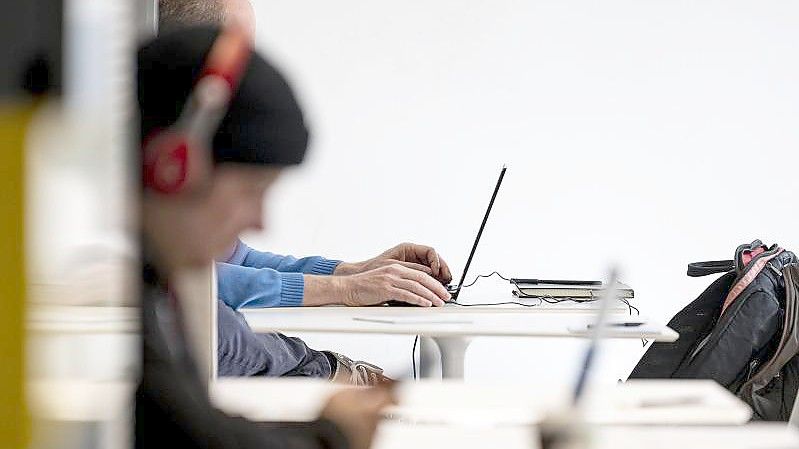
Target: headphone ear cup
x=174, y=162
x=168, y=160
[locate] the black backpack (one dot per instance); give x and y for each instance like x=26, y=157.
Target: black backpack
x=741, y=331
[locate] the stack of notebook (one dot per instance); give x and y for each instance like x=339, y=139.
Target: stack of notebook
x=581, y=291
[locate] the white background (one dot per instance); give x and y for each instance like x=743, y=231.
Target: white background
x=649, y=133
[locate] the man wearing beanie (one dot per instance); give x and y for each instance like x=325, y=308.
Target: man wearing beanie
x=251, y=278
x=217, y=131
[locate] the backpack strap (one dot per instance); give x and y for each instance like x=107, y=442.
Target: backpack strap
x=748, y=276
x=698, y=269
x=788, y=346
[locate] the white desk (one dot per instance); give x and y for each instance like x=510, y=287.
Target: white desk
x=445, y=345
x=455, y=403
x=54, y=319
x=470, y=414
x=392, y=435
x=77, y=413
x=71, y=401
x=661, y=402
x=449, y=329
x=79, y=400
x=751, y=436
x=90, y=342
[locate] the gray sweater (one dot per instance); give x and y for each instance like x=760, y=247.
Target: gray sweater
x=172, y=404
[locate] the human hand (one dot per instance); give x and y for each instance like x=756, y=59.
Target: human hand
x=391, y=282
x=418, y=257
x=357, y=412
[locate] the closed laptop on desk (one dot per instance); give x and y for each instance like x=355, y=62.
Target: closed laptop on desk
x=567, y=291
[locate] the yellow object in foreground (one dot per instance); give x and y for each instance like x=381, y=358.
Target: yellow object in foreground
x=14, y=425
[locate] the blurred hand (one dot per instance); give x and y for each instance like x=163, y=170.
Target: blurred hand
x=418, y=257
x=392, y=282
x=357, y=413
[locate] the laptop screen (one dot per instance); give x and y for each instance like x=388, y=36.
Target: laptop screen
x=479, y=233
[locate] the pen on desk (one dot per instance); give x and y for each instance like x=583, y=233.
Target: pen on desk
x=626, y=324
x=670, y=402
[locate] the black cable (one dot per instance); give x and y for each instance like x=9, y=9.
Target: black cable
x=554, y=300
x=413, y=355
x=494, y=304
x=630, y=306
x=485, y=276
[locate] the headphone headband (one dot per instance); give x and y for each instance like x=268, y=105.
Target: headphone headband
x=216, y=86
x=228, y=57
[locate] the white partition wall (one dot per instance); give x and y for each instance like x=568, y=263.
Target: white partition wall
x=197, y=291
x=624, y=125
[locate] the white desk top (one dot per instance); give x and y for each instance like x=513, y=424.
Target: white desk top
x=564, y=307
x=441, y=322
x=82, y=319
x=466, y=404
x=392, y=435
x=751, y=436
x=78, y=401
x=75, y=400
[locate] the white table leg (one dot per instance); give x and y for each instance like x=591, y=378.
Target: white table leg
x=453, y=355
x=430, y=359
x=447, y=352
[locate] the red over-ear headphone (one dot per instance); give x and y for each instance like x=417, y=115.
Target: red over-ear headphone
x=178, y=158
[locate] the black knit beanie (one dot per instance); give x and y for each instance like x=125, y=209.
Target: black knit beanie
x=264, y=124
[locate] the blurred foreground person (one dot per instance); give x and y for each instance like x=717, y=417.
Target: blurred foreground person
x=218, y=124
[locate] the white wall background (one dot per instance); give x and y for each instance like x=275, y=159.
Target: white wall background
x=651, y=133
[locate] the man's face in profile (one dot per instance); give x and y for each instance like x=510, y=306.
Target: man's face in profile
x=193, y=228
x=234, y=204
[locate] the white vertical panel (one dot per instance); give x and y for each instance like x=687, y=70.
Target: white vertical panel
x=80, y=222
x=197, y=292
x=81, y=201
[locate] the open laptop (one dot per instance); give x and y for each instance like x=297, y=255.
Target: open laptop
x=455, y=290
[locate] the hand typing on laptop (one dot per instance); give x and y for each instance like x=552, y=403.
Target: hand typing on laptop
x=393, y=282
x=408, y=272
x=417, y=257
